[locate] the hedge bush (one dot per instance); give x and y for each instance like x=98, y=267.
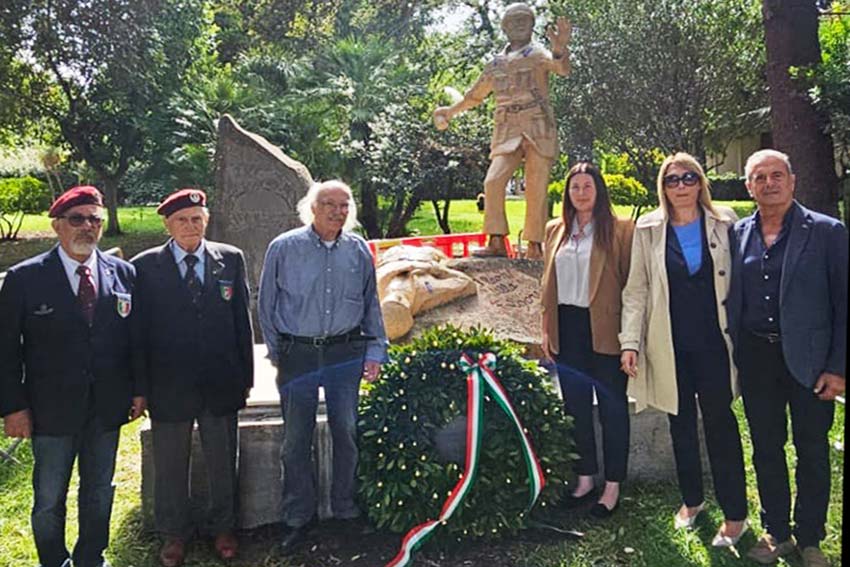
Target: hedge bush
x=728, y=187
x=626, y=190
x=404, y=482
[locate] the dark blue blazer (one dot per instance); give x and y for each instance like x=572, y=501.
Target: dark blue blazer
x=812, y=293
x=195, y=358
x=51, y=361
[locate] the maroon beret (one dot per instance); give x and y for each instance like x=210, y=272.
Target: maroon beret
x=182, y=199
x=73, y=197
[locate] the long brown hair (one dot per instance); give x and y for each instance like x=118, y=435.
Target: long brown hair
x=603, y=214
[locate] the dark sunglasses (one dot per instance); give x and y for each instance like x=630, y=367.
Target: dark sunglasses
x=79, y=220
x=689, y=179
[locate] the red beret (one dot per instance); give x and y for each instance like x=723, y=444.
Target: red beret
x=182, y=199
x=73, y=197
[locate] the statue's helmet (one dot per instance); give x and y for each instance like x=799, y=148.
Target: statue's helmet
x=517, y=9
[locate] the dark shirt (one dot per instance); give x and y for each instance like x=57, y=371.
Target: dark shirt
x=761, y=276
x=693, y=301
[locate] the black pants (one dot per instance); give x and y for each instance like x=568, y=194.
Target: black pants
x=172, y=449
x=704, y=376
x=581, y=372
x=768, y=389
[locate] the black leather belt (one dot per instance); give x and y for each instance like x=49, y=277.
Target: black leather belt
x=329, y=340
x=769, y=337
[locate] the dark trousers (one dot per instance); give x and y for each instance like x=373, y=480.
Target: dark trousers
x=768, y=389
x=704, y=376
x=581, y=372
x=302, y=368
x=54, y=456
x=172, y=450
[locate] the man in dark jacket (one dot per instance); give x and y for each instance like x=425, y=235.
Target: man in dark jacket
x=787, y=309
x=192, y=297
x=66, y=375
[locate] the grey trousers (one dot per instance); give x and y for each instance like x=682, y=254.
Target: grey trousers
x=172, y=448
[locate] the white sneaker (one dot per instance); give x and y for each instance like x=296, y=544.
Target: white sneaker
x=687, y=522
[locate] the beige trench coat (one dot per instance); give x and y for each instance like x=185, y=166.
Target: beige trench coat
x=646, y=325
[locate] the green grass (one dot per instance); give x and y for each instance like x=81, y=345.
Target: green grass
x=640, y=534
x=143, y=227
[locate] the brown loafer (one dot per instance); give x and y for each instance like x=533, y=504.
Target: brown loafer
x=226, y=545
x=768, y=549
x=813, y=557
x=173, y=552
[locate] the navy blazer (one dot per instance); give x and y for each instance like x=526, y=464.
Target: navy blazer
x=51, y=361
x=195, y=358
x=812, y=293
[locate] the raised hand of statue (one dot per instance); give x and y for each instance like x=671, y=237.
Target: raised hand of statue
x=559, y=36
x=442, y=115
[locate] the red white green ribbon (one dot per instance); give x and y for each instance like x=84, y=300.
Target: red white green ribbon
x=479, y=377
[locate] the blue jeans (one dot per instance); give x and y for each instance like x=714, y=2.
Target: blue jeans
x=301, y=370
x=54, y=459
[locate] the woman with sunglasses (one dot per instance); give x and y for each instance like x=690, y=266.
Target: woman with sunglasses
x=674, y=346
x=586, y=263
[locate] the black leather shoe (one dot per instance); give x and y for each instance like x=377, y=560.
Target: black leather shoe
x=601, y=512
x=570, y=502
x=294, y=537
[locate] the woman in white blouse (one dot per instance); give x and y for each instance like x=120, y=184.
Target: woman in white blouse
x=587, y=252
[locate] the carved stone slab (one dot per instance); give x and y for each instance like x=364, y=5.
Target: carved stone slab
x=257, y=189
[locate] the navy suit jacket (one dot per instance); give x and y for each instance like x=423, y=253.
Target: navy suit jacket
x=51, y=361
x=195, y=358
x=812, y=293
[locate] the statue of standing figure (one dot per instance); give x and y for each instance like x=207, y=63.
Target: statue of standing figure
x=524, y=129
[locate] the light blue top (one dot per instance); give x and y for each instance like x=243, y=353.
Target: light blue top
x=180, y=254
x=311, y=290
x=690, y=240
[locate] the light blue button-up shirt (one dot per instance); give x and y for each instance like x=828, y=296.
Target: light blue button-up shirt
x=180, y=255
x=309, y=289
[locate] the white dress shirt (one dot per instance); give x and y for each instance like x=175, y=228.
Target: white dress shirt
x=572, y=267
x=71, y=266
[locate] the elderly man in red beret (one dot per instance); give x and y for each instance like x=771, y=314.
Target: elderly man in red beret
x=68, y=380
x=198, y=351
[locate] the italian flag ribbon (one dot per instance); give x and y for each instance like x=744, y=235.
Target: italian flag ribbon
x=479, y=379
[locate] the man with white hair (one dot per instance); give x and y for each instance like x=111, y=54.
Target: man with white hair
x=197, y=351
x=321, y=320
x=787, y=310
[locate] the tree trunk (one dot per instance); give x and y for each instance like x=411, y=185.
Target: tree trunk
x=110, y=192
x=791, y=39
x=369, y=211
x=442, y=215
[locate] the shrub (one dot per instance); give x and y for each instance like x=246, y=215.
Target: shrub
x=404, y=480
x=20, y=196
x=728, y=187
x=626, y=190
x=554, y=195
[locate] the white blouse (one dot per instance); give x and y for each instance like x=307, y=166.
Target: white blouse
x=572, y=267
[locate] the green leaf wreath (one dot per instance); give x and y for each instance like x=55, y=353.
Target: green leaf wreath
x=403, y=478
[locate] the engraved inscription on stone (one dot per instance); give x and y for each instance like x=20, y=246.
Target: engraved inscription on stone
x=257, y=190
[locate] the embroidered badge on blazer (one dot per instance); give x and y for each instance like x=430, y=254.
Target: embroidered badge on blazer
x=225, y=288
x=123, y=304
